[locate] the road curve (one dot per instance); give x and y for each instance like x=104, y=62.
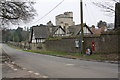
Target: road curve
x=57, y=67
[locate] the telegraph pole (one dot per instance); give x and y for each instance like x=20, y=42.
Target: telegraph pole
x=82, y=25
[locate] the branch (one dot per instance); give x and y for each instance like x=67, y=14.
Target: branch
x=104, y=7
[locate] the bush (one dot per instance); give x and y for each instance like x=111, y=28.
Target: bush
x=53, y=38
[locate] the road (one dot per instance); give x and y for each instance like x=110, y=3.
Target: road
x=57, y=67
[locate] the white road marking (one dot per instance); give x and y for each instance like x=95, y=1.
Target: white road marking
x=44, y=76
x=30, y=71
x=15, y=69
x=23, y=68
x=10, y=65
x=13, y=62
x=70, y=64
x=37, y=74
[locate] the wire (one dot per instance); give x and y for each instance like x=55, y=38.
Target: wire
x=87, y=10
x=93, y=12
x=49, y=12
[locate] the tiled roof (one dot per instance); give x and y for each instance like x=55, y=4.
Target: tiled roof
x=41, y=32
x=44, y=31
x=75, y=30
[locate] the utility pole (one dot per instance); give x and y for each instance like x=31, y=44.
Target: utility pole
x=117, y=17
x=82, y=25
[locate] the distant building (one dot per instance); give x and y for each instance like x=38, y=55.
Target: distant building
x=49, y=23
x=99, y=30
x=65, y=19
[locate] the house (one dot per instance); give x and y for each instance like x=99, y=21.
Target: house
x=76, y=30
x=40, y=33
x=99, y=30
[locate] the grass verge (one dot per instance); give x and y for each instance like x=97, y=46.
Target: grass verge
x=13, y=46
x=110, y=57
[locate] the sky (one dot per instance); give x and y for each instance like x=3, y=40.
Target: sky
x=92, y=13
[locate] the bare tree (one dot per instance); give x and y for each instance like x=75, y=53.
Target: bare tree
x=107, y=6
x=112, y=9
x=15, y=12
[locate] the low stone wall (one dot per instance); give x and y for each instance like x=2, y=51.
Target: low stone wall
x=66, y=45
x=25, y=45
x=109, y=44
x=103, y=44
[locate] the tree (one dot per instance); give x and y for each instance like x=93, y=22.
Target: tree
x=101, y=24
x=110, y=25
x=15, y=12
x=107, y=6
x=112, y=9
x=18, y=33
x=5, y=34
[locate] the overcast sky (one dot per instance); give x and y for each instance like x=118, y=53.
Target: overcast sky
x=92, y=13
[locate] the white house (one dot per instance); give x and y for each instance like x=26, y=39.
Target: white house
x=40, y=33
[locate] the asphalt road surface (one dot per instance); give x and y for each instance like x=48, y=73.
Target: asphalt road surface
x=57, y=67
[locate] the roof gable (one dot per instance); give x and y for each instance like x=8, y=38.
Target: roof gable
x=76, y=29
x=57, y=28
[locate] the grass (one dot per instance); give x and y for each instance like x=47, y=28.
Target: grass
x=78, y=55
x=13, y=46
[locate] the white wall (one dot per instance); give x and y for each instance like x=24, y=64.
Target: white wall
x=33, y=39
x=86, y=30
